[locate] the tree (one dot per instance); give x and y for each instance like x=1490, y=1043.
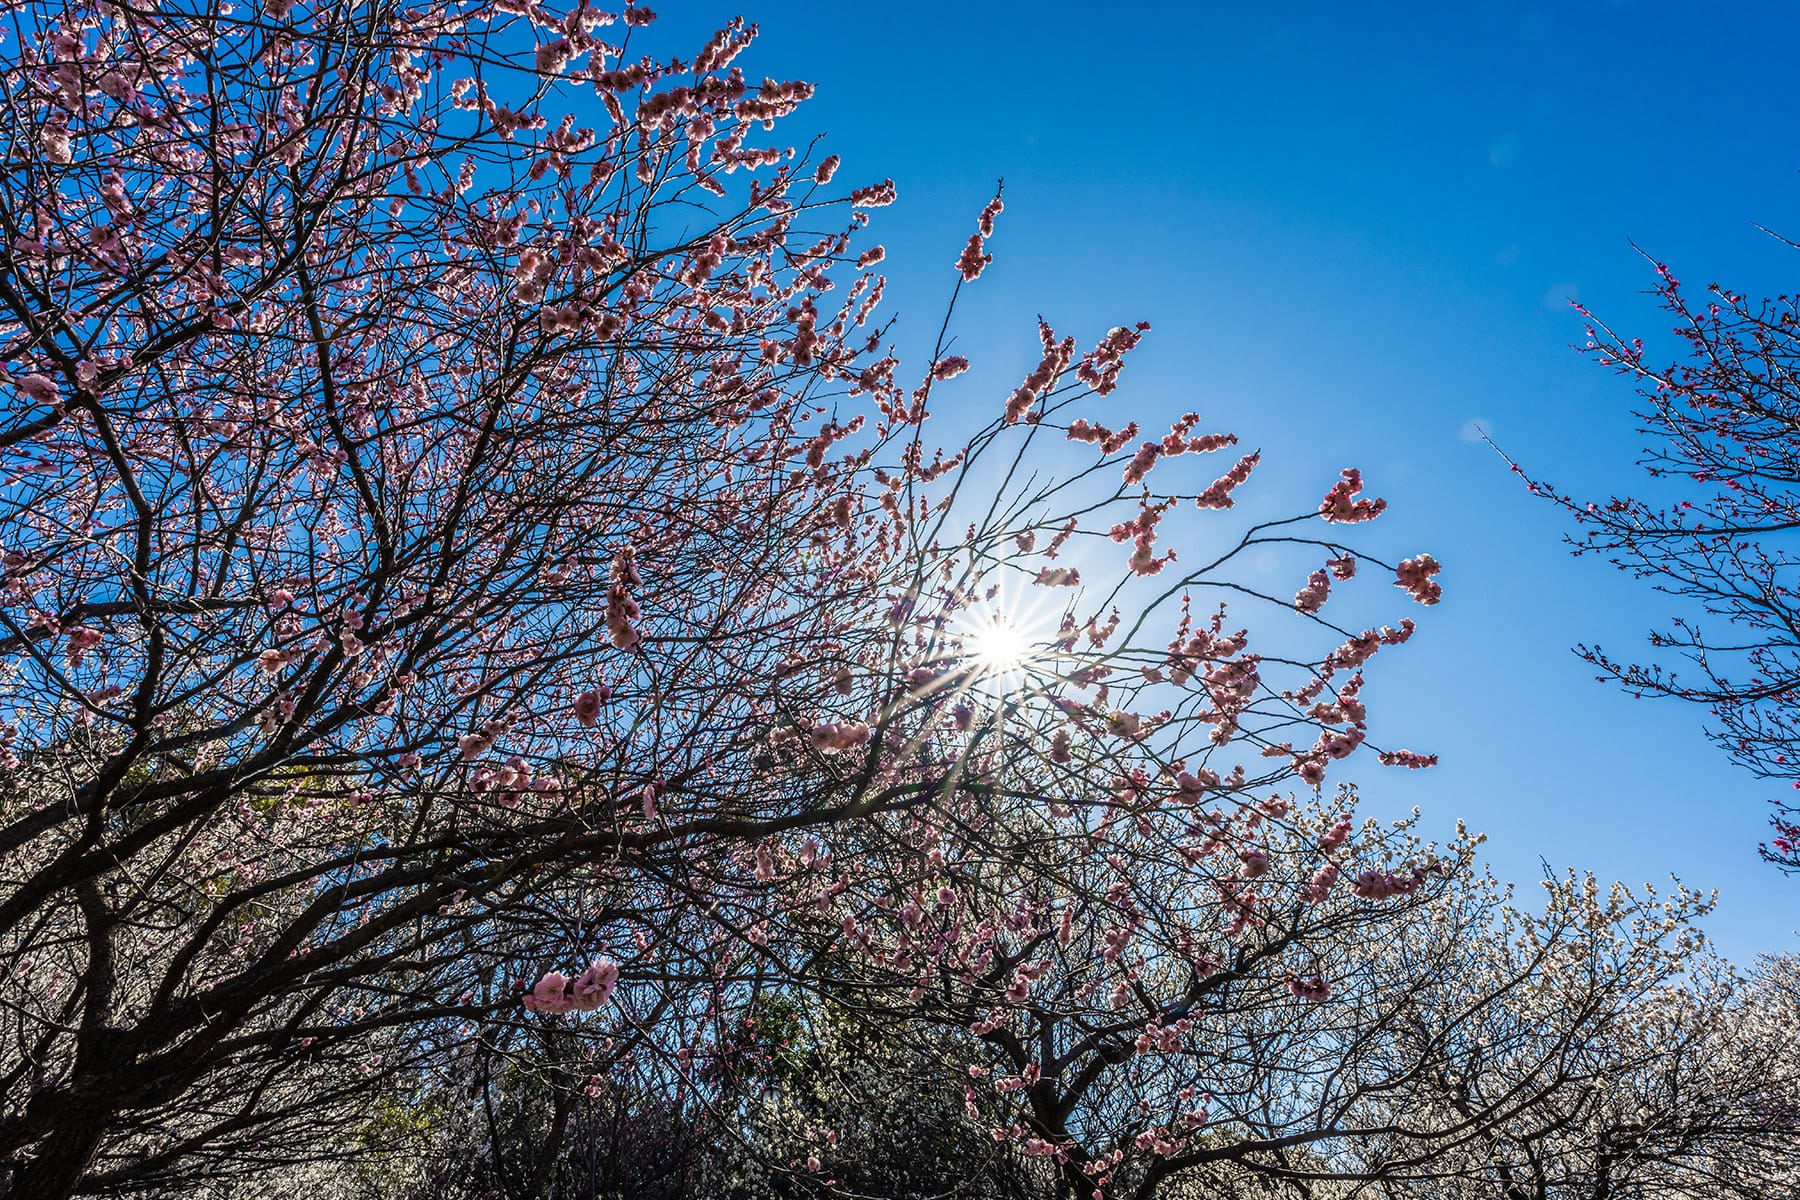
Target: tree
x=447, y=535
x=1689, y=1090
x=520, y=1125
x=1220, y=1014
x=1724, y=430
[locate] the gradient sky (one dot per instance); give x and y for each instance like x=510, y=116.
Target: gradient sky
x=1355, y=230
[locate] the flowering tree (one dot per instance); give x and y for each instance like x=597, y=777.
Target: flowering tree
x=467, y=562
x=1689, y=1091
x=1724, y=424
x=1236, y=1019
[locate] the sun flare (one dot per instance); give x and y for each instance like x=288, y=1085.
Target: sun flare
x=999, y=646
x=1004, y=647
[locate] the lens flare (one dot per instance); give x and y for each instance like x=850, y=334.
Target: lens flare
x=998, y=646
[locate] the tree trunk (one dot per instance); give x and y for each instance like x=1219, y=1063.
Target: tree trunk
x=62, y=1159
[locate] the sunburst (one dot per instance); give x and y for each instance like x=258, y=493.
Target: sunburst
x=1005, y=648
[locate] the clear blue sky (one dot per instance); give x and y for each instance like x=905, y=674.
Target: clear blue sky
x=1355, y=229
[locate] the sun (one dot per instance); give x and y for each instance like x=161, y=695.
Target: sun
x=1001, y=647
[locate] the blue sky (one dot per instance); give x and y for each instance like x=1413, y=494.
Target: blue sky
x=1355, y=230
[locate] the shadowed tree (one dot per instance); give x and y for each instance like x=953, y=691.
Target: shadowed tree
x=454, y=525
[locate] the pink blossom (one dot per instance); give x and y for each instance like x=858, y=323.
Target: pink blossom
x=1142, y=461
x=993, y=209
x=1019, y=990
x=1381, y=885
x=549, y=994
x=827, y=169
x=874, y=196
x=1336, y=835
x=1341, y=507
x=1100, y=367
x=1414, y=576
x=621, y=609
x=1043, y=377
x=1406, y=758
x=949, y=367
x=552, y=57
x=1219, y=494
x=973, y=259
x=831, y=737
x=594, y=986
x=42, y=389
x=587, y=705
x=1311, y=598
x=1340, y=743
x=81, y=640
x=1319, y=889
x=1312, y=989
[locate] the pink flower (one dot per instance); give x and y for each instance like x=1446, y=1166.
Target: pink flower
x=874, y=196
x=1142, y=461
x=831, y=737
x=587, y=705
x=1319, y=889
x=1019, y=990
x=42, y=389
x=549, y=995
x=1414, y=575
x=81, y=640
x=621, y=609
x=1048, y=371
x=973, y=259
x=1311, y=598
x=552, y=57
x=949, y=367
x=1336, y=835
x=594, y=986
x=1340, y=506
x=1313, y=989
x=993, y=209
x=1381, y=885
x=827, y=169
x=1219, y=494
